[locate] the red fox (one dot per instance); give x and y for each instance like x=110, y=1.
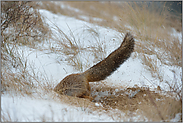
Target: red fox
x=78, y=84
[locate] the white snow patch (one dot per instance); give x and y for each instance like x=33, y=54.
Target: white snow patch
x=26, y=109
x=177, y=118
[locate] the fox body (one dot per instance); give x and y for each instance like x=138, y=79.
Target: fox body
x=78, y=84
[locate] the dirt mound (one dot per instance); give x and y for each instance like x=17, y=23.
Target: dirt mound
x=153, y=105
x=132, y=101
x=126, y=99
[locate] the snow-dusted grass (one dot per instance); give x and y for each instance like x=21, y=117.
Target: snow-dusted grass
x=153, y=42
x=76, y=40
x=111, y=40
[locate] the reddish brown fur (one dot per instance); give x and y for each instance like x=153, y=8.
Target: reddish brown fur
x=78, y=84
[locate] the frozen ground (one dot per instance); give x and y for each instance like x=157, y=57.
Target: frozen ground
x=131, y=73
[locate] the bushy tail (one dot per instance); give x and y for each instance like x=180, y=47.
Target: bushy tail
x=107, y=66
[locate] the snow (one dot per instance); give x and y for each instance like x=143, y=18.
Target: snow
x=86, y=18
x=178, y=116
x=133, y=72
x=46, y=64
x=38, y=110
x=177, y=34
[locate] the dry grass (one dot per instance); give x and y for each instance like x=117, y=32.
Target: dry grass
x=72, y=49
x=151, y=29
x=16, y=74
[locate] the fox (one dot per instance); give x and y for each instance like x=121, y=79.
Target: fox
x=77, y=85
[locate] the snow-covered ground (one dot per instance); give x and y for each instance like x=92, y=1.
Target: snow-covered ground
x=28, y=109
x=131, y=73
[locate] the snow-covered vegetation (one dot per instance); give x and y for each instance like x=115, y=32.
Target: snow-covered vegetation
x=147, y=87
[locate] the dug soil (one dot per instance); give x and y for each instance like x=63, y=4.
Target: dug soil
x=152, y=104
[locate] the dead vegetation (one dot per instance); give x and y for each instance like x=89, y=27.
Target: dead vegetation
x=72, y=48
x=151, y=29
x=22, y=25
